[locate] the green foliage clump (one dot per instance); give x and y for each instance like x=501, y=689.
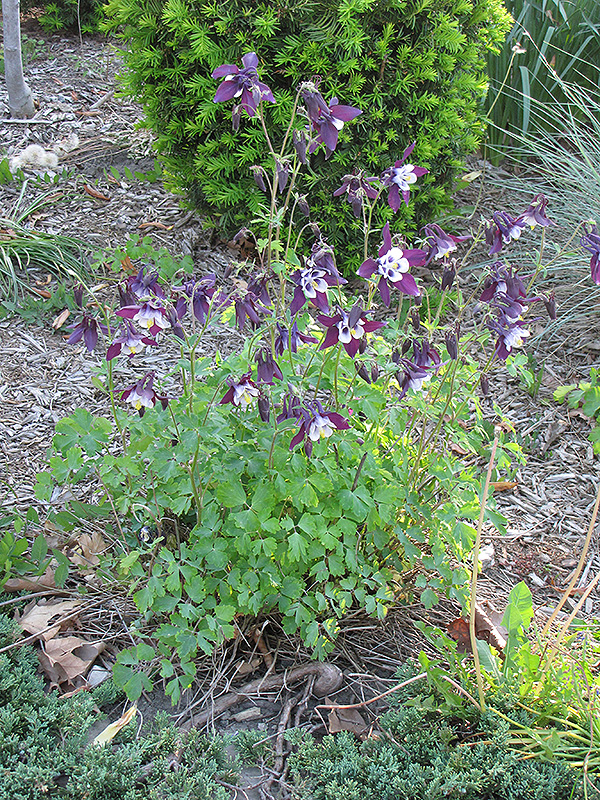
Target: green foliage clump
x=82, y=15
x=415, y=69
x=425, y=755
x=586, y=395
x=44, y=749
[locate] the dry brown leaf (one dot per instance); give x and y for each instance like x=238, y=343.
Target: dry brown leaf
x=41, y=293
x=128, y=265
x=69, y=657
x=487, y=628
x=94, y=192
x=45, y=581
x=457, y=448
x=61, y=319
x=87, y=550
x=347, y=719
x=40, y=615
x=247, y=667
x=109, y=733
x=503, y=486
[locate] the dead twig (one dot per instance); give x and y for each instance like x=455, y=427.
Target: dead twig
x=328, y=678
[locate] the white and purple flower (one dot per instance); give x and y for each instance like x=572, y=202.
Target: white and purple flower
x=392, y=266
x=151, y=315
x=400, y=178
x=128, y=342
x=143, y=396
x=242, y=85
x=241, y=393
x=349, y=328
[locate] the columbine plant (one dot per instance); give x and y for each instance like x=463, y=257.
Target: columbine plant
x=311, y=471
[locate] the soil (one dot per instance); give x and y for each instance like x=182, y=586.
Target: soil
x=42, y=379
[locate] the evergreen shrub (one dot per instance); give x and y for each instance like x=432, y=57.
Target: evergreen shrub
x=56, y=15
x=416, y=69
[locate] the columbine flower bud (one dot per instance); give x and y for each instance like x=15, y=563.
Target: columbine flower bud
x=406, y=345
x=300, y=141
x=374, y=371
x=303, y=206
x=78, y=295
x=484, y=384
x=448, y=277
x=362, y=346
x=236, y=116
x=363, y=372
x=415, y=320
x=258, y=173
x=264, y=408
x=283, y=171
x=550, y=303
x=452, y=345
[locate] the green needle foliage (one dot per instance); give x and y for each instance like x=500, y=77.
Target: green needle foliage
x=44, y=749
x=415, y=68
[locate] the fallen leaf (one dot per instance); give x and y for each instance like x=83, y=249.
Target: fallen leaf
x=61, y=319
x=456, y=448
x=248, y=667
x=347, y=719
x=69, y=657
x=127, y=265
x=486, y=629
x=94, y=192
x=262, y=647
x=109, y=733
x=41, y=292
x=40, y=616
x=45, y=581
x=470, y=176
x=86, y=552
x=159, y=225
x=503, y=486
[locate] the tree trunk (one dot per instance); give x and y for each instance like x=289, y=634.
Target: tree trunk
x=20, y=99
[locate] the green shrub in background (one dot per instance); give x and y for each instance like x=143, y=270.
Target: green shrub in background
x=557, y=41
x=415, y=68
x=82, y=15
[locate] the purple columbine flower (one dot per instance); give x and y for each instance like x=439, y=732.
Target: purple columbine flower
x=502, y=229
x=347, y=327
x=144, y=286
x=327, y=119
x=590, y=241
x=250, y=307
x=142, y=395
x=356, y=187
x=314, y=279
x=535, y=214
x=440, y=243
x=129, y=342
x=242, y=84
x=392, y=266
x=400, y=178
x=418, y=370
x=267, y=368
x=200, y=292
x=285, y=338
x=511, y=334
x=88, y=328
x=316, y=424
x=150, y=315
x=241, y=393
x=504, y=283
